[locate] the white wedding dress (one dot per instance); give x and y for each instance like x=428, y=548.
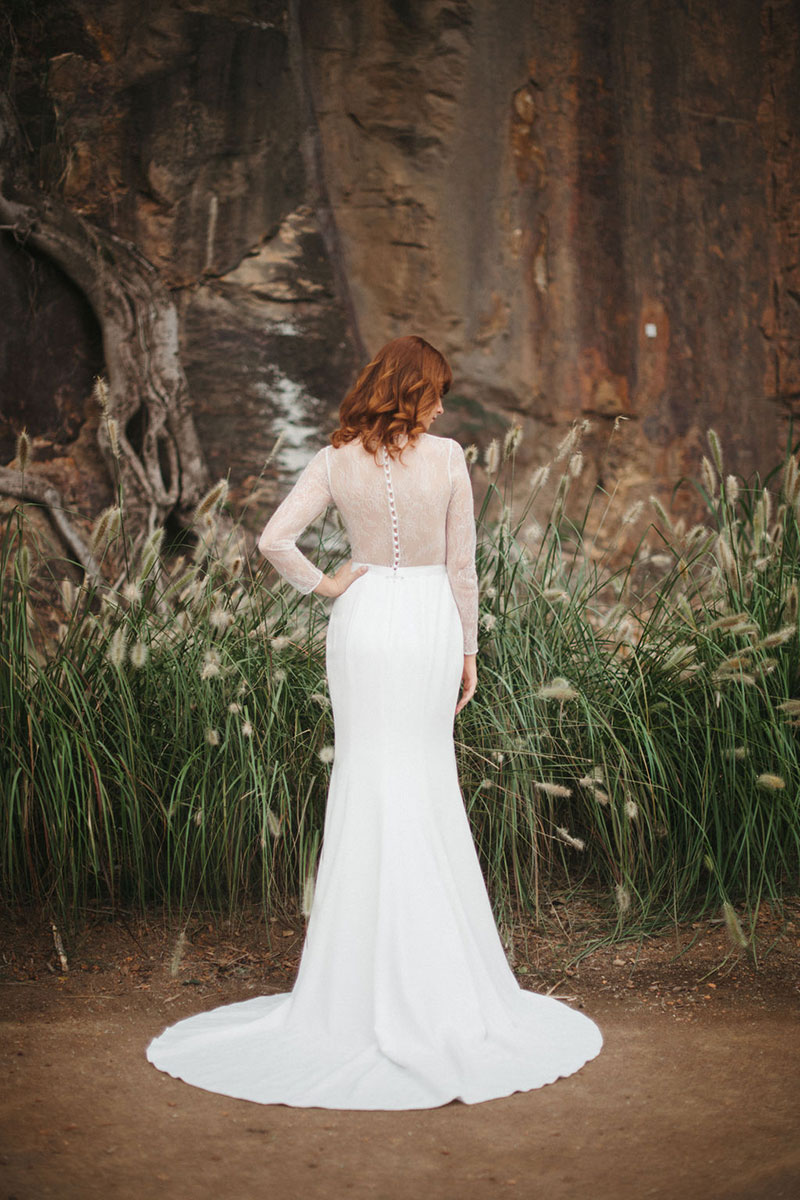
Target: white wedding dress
x=404, y=998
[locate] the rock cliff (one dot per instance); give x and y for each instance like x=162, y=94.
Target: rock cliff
x=590, y=205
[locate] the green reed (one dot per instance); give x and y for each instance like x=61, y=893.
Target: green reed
x=634, y=731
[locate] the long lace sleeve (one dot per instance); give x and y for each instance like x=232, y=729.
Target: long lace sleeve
x=460, y=534
x=308, y=498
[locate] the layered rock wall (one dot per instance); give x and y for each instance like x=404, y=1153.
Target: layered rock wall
x=591, y=206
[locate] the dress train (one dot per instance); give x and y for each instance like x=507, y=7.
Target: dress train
x=404, y=998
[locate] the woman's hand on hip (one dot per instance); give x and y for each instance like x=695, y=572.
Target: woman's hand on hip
x=469, y=681
x=332, y=586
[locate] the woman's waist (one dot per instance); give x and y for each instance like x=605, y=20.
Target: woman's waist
x=402, y=571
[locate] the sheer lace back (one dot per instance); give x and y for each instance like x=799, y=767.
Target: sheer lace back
x=412, y=510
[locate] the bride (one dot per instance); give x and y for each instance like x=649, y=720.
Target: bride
x=404, y=998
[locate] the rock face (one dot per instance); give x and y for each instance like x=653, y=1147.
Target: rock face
x=590, y=205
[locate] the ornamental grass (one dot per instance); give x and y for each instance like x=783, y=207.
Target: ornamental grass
x=166, y=740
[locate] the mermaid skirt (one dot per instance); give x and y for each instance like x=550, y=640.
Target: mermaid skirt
x=404, y=998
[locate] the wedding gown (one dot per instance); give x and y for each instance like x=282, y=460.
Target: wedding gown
x=404, y=998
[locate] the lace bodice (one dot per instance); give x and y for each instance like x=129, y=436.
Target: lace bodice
x=412, y=510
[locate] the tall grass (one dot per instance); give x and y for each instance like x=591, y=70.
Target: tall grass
x=634, y=731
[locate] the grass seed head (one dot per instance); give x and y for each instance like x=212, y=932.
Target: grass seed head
x=566, y=836
x=274, y=824
x=632, y=515
x=556, y=790
x=69, y=594
x=777, y=638
x=631, y=810
x=576, y=464
x=113, y=435
x=771, y=783
x=212, y=737
x=680, y=656
x=715, y=448
x=539, y=478
x=557, y=689
x=106, y=528
x=738, y=662
x=213, y=498
x=138, y=655
x=734, y=926
x=151, y=551
x=118, y=648
x=132, y=591
x=623, y=899
x=708, y=477
x=308, y=894
x=791, y=481
x=23, y=450
x=325, y=755
x=726, y=557
x=219, y=618
x=729, y=620
x=592, y=777
x=742, y=677
x=491, y=459
x=471, y=454
x=511, y=441
x=661, y=512
x=212, y=665
x=101, y=393
x=732, y=490
x=568, y=443
x=279, y=440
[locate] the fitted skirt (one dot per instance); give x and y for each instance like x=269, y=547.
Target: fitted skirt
x=404, y=998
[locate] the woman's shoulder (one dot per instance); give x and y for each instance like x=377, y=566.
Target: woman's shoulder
x=435, y=444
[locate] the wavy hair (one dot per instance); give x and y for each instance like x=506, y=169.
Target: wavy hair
x=404, y=380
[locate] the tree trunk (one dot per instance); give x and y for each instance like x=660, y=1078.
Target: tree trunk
x=161, y=465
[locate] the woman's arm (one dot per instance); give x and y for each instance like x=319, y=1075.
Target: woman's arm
x=309, y=497
x=460, y=548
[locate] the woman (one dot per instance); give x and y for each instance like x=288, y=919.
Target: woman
x=404, y=998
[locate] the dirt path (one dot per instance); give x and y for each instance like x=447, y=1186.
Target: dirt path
x=695, y=1094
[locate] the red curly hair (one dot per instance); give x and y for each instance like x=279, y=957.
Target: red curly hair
x=405, y=379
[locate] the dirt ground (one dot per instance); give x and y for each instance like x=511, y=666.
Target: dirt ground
x=695, y=1094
